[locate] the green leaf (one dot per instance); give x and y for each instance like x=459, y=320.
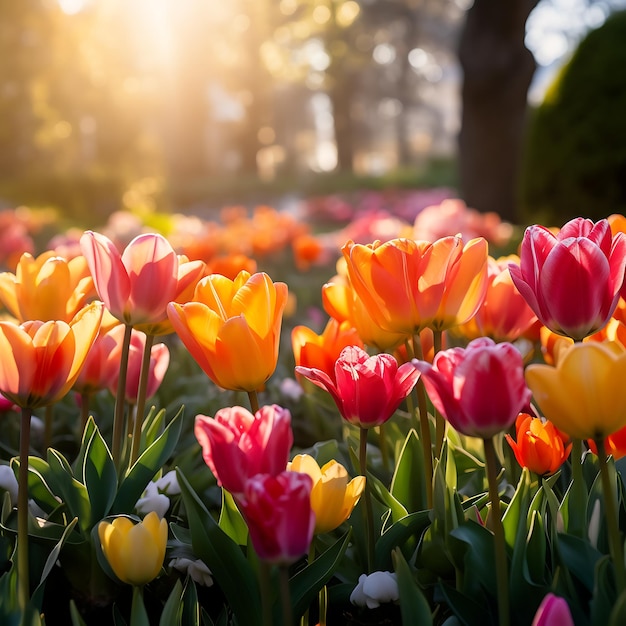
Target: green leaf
x=173, y=608
x=39, y=488
x=191, y=608
x=516, y=512
x=99, y=476
x=231, y=520
x=408, y=485
x=470, y=611
x=56, y=551
x=152, y=427
x=604, y=593
x=224, y=557
x=580, y=558
x=413, y=605
x=90, y=427
x=75, y=616
x=410, y=526
x=618, y=614
x=479, y=553
x=147, y=465
x=138, y=613
x=306, y=584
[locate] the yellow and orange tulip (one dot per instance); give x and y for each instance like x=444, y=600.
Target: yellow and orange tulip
x=232, y=328
x=42, y=360
x=47, y=287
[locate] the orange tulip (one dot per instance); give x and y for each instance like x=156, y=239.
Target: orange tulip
x=504, y=314
x=540, y=446
x=614, y=444
x=321, y=351
x=232, y=328
x=47, y=287
x=408, y=285
x=42, y=360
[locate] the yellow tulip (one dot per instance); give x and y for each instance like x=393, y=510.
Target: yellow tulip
x=42, y=360
x=583, y=395
x=333, y=497
x=232, y=328
x=48, y=287
x=135, y=552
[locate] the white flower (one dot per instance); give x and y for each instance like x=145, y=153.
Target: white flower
x=8, y=482
x=152, y=500
x=375, y=589
x=168, y=484
x=197, y=569
x=291, y=389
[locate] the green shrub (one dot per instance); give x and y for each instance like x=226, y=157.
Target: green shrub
x=575, y=158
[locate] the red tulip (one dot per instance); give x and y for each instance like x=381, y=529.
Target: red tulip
x=367, y=389
x=480, y=389
x=571, y=280
x=236, y=445
x=278, y=512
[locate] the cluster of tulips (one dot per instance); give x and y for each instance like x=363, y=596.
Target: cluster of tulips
x=483, y=417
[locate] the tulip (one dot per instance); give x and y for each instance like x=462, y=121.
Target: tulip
x=321, y=351
x=553, y=611
x=504, y=314
x=236, y=445
x=232, y=328
x=47, y=287
x=135, y=552
x=540, y=446
x=614, y=444
x=407, y=285
x=333, y=495
x=480, y=389
x=571, y=280
x=277, y=510
x=42, y=360
x=582, y=395
x=137, y=285
x=366, y=389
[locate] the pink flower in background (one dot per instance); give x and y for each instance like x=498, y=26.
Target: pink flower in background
x=367, y=389
x=480, y=389
x=571, y=280
x=236, y=445
x=277, y=510
x=553, y=611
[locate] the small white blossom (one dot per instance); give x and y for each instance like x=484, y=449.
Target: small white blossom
x=197, y=569
x=375, y=589
x=291, y=389
x=168, y=484
x=8, y=482
x=152, y=500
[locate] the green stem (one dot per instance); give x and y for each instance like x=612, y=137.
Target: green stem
x=23, y=576
x=118, y=417
x=144, y=374
x=266, y=595
x=502, y=575
x=285, y=595
x=368, y=511
x=254, y=401
x=615, y=541
x=424, y=428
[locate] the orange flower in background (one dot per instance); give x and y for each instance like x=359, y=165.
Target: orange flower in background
x=307, y=249
x=615, y=444
x=321, y=351
x=232, y=328
x=407, y=285
x=42, y=360
x=539, y=445
x=230, y=265
x=551, y=344
x=47, y=287
x=504, y=314
x=426, y=338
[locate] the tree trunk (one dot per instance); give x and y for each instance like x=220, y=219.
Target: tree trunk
x=497, y=70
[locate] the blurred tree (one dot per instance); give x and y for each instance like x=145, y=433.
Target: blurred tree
x=497, y=71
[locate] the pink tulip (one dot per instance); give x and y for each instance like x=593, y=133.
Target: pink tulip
x=553, y=611
x=159, y=362
x=367, y=389
x=572, y=280
x=278, y=512
x=480, y=389
x=236, y=445
x=137, y=285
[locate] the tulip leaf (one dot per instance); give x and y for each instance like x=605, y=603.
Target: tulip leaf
x=410, y=526
x=514, y=517
x=618, y=614
x=191, y=612
x=39, y=489
x=147, y=465
x=223, y=556
x=306, y=584
x=469, y=610
x=231, y=520
x=75, y=616
x=603, y=598
x=73, y=492
x=99, y=476
x=90, y=427
x=152, y=427
x=408, y=485
x=579, y=557
x=173, y=608
x=56, y=551
x=413, y=605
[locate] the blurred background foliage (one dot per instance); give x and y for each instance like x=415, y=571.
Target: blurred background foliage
x=189, y=105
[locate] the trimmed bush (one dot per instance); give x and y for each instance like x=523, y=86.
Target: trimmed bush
x=575, y=158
